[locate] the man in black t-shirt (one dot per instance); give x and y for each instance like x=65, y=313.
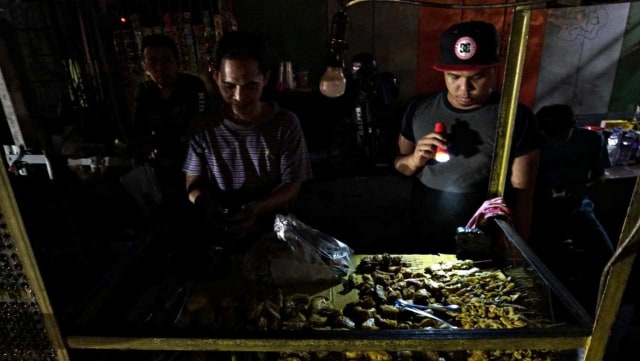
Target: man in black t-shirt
x=446, y=195
x=567, y=235
x=168, y=107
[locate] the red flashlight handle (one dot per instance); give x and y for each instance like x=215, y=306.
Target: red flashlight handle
x=441, y=155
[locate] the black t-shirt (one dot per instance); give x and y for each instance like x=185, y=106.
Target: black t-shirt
x=564, y=171
x=166, y=124
x=471, y=137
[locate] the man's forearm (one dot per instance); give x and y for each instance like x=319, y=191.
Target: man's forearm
x=405, y=164
x=522, y=215
x=279, y=198
x=195, y=187
x=523, y=181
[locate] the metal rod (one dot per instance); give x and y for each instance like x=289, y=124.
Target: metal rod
x=572, y=305
x=441, y=339
x=615, y=285
x=7, y=99
x=532, y=3
x=15, y=227
x=509, y=102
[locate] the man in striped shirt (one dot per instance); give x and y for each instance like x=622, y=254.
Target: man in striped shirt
x=248, y=165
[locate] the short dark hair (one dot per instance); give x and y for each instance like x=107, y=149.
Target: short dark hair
x=160, y=41
x=241, y=45
x=555, y=119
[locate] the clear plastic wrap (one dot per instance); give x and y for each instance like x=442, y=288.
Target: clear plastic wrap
x=296, y=253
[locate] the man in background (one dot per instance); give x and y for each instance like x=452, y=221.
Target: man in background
x=567, y=234
x=167, y=107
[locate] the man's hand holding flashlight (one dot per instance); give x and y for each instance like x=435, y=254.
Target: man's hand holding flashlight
x=426, y=147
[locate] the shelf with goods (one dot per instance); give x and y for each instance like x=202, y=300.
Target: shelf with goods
x=194, y=26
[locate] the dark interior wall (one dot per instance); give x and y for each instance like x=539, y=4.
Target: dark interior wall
x=68, y=77
x=582, y=56
x=389, y=32
x=31, y=64
x=297, y=31
x=625, y=88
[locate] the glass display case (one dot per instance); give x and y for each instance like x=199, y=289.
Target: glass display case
x=29, y=320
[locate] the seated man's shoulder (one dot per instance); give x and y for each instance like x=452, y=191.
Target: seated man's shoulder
x=284, y=113
x=285, y=116
x=586, y=136
x=587, y=133
x=525, y=110
x=188, y=79
x=147, y=87
x=525, y=117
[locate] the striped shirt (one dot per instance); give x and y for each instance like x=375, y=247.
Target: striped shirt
x=253, y=158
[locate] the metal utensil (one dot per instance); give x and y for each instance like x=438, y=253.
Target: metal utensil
x=410, y=307
x=446, y=308
x=430, y=315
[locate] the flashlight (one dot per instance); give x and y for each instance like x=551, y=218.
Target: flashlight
x=442, y=155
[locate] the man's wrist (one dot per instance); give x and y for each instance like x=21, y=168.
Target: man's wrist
x=414, y=162
x=258, y=208
x=199, y=199
x=202, y=199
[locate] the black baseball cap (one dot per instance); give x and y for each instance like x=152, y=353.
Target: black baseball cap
x=471, y=45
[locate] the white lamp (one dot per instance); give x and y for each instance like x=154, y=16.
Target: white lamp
x=333, y=83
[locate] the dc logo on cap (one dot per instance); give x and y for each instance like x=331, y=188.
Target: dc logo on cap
x=465, y=48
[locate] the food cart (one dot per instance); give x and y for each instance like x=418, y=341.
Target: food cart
x=33, y=327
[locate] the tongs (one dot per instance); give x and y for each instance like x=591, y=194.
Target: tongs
x=445, y=308
x=421, y=310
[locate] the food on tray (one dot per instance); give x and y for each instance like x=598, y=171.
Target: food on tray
x=388, y=292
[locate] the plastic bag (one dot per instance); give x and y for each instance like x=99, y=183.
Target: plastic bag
x=471, y=241
x=495, y=207
x=296, y=253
